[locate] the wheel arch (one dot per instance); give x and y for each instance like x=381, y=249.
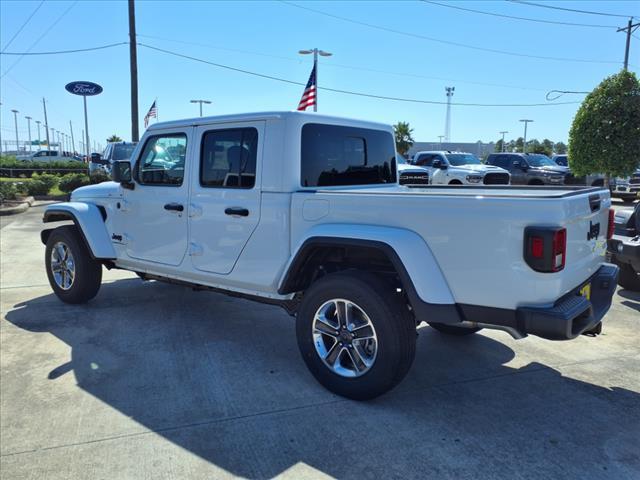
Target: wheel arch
x=89, y=219
x=381, y=250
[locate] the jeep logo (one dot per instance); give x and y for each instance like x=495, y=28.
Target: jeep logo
x=594, y=231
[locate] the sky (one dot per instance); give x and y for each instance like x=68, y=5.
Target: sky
x=384, y=48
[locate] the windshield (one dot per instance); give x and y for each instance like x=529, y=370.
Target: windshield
x=123, y=151
x=539, y=160
x=457, y=159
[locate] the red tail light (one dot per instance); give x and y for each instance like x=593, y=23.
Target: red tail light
x=545, y=248
x=611, y=226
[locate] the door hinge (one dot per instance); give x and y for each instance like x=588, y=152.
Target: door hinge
x=195, y=249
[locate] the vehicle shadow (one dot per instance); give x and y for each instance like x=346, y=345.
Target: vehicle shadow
x=632, y=299
x=222, y=378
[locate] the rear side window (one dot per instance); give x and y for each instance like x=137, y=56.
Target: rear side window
x=228, y=158
x=335, y=155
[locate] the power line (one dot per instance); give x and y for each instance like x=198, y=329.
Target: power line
x=101, y=47
x=22, y=26
x=40, y=38
x=446, y=42
x=348, y=67
x=533, y=4
x=555, y=94
x=516, y=18
x=348, y=92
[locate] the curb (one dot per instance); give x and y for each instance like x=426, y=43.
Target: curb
x=14, y=210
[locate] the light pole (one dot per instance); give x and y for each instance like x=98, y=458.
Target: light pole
x=15, y=121
x=206, y=102
x=447, y=123
x=503, y=132
x=315, y=52
x=440, y=137
x=53, y=138
x=29, y=130
x=38, y=122
x=526, y=122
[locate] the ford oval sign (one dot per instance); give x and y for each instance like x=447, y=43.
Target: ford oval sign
x=83, y=88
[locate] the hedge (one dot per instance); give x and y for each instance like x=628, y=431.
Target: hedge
x=10, y=167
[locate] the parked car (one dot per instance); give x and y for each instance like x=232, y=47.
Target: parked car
x=113, y=152
x=411, y=175
x=304, y=211
x=529, y=169
x=459, y=168
x=624, y=247
x=594, y=180
x=46, y=156
x=628, y=188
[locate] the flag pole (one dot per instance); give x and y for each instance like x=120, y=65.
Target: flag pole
x=156, y=103
x=315, y=67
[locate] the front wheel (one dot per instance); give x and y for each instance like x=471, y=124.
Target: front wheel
x=355, y=334
x=73, y=274
x=628, y=278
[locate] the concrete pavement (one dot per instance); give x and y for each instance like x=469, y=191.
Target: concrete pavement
x=157, y=381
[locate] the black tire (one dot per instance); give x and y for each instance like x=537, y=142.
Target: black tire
x=628, y=278
x=628, y=198
x=453, y=330
x=536, y=182
x=88, y=272
x=455, y=182
x=394, y=326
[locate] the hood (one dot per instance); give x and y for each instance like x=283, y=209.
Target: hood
x=406, y=168
x=482, y=168
x=100, y=190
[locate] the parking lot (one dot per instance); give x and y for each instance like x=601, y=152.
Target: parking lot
x=157, y=381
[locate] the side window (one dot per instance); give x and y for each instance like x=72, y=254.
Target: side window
x=162, y=160
x=425, y=160
x=335, y=155
x=228, y=158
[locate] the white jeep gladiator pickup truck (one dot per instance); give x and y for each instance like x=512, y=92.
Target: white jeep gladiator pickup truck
x=305, y=211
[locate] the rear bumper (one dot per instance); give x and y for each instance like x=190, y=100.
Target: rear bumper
x=569, y=317
x=625, y=250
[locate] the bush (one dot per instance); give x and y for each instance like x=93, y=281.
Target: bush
x=71, y=181
x=41, y=184
x=100, y=176
x=8, y=191
x=10, y=167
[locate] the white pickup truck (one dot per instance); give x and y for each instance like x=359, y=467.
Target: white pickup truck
x=305, y=211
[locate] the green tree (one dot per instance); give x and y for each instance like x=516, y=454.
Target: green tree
x=498, y=147
x=518, y=146
x=560, y=148
x=605, y=134
x=114, y=138
x=404, y=140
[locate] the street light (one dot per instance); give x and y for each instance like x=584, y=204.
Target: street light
x=505, y=131
x=38, y=122
x=15, y=121
x=315, y=52
x=53, y=138
x=206, y=102
x=29, y=129
x=440, y=137
x=526, y=122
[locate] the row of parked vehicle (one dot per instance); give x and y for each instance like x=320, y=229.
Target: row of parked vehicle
x=461, y=168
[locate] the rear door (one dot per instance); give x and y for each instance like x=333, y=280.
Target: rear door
x=225, y=199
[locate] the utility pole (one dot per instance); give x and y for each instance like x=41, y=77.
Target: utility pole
x=38, y=123
x=73, y=143
x=524, y=148
x=46, y=123
x=133, y=66
x=630, y=28
x=29, y=130
x=447, y=123
x=503, y=149
x=315, y=52
x=15, y=121
x=206, y=102
x=0, y=135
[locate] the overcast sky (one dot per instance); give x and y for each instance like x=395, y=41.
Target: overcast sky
x=264, y=37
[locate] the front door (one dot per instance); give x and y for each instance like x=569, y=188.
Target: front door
x=225, y=199
x=155, y=211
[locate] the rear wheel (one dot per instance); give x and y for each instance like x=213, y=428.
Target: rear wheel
x=73, y=274
x=455, y=182
x=453, y=330
x=628, y=277
x=536, y=182
x=355, y=334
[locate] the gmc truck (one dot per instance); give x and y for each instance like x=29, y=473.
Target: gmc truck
x=305, y=211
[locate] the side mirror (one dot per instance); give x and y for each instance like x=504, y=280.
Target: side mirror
x=121, y=173
x=439, y=164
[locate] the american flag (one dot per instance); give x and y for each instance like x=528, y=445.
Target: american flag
x=152, y=113
x=309, y=95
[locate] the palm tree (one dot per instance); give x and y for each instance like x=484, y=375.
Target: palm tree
x=114, y=138
x=404, y=140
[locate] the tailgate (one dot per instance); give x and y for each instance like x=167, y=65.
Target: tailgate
x=587, y=218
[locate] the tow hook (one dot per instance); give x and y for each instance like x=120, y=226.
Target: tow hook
x=594, y=332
